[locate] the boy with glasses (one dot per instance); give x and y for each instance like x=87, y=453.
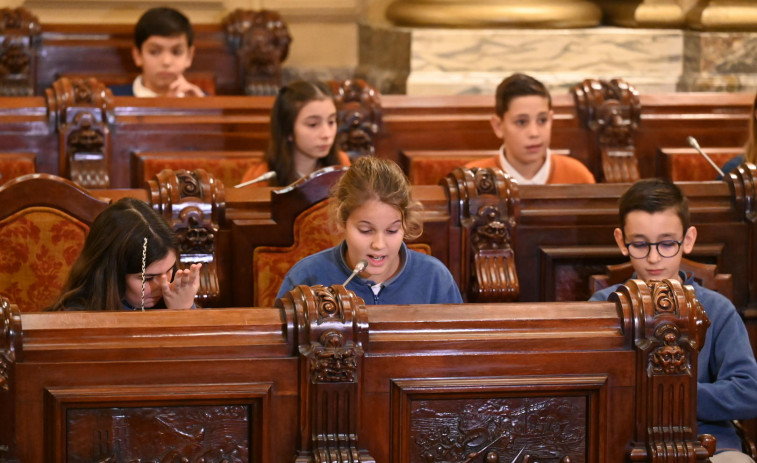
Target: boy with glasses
x=655, y=233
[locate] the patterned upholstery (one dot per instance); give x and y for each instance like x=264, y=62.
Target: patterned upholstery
x=39, y=245
x=229, y=170
x=271, y=263
x=12, y=166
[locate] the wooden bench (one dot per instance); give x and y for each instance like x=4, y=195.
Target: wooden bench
x=243, y=52
x=226, y=166
x=323, y=375
x=44, y=221
x=78, y=121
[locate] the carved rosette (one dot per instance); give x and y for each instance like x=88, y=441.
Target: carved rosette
x=359, y=116
x=81, y=110
x=487, y=206
x=668, y=326
x=261, y=41
x=194, y=204
x=328, y=327
x=19, y=38
x=612, y=111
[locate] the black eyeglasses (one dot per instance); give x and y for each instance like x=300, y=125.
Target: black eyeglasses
x=665, y=248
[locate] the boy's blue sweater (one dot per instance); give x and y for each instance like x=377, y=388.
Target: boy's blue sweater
x=727, y=372
x=421, y=279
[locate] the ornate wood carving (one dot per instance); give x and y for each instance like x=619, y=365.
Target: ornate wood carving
x=19, y=40
x=209, y=433
x=261, y=40
x=613, y=112
x=10, y=352
x=743, y=185
x=487, y=207
x=81, y=110
x=330, y=327
x=668, y=337
x=359, y=116
x=499, y=429
x=194, y=204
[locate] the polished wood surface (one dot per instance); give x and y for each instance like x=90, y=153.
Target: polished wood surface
x=323, y=375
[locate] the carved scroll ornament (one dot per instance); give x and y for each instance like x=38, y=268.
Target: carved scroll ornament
x=81, y=111
x=194, y=204
x=668, y=339
x=19, y=38
x=612, y=111
x=359, y=116
x=261, y=40
x=330, y=327
x=488, y=215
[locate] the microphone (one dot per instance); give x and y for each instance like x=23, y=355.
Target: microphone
x=359, y=267
x=694, y=144
x=261, y=178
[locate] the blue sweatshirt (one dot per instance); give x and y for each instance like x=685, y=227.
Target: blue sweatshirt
x=421, y=279
x=727, y=372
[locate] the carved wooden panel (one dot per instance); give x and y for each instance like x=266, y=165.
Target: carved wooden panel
x=211, y=433
x=555, y=421
x=210, y=423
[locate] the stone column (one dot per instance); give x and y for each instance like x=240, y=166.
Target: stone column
x=495, y=13
x=645, y=13
x=724, y=15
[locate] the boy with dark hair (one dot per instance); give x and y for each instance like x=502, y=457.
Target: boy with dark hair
x=164, y=49
x=655, y=233
x=523, y=120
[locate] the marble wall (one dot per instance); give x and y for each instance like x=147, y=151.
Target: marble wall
x=431, y=61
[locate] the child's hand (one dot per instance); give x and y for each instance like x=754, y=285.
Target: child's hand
x=181, y=87
x=180, y=293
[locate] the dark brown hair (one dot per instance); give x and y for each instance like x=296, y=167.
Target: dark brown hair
x=112, y=250
x=163, y=22
x=290, y=100
x=654, y=195
x=515, y=86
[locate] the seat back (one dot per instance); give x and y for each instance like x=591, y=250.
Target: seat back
x=14, y=165
x=227, y=166
x=44, y=221
x=704, y=274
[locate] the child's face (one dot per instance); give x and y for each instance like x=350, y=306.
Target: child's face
x=374, y=232
x=665, y=227
x=163, y=60
x=315, y=129
x=525, y=128
x=153, y=291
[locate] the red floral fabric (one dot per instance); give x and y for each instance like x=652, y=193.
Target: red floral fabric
x=39, y=245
